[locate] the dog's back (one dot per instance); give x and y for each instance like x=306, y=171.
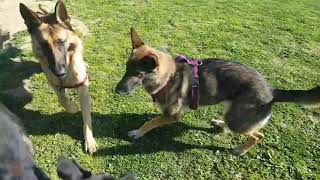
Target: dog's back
x=221, y=80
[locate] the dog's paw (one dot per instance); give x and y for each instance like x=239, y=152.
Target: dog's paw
x=238, y=151
x=216, y=122
x=218, y=126
x=135, y=134
x=90, y=145
x=72, y=108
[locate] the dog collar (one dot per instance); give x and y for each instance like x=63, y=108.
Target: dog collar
x=158, y=93
x=195, y=81
x=81, y=83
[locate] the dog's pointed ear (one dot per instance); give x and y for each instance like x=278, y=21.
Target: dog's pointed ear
x=31, y=19
x=61, y=13
x=136, y=41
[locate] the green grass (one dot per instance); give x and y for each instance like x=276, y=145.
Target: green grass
x=280, y=39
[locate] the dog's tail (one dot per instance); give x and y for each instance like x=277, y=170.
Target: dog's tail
x=311, y=96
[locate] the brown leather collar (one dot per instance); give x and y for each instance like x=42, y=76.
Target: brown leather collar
x=159, y=93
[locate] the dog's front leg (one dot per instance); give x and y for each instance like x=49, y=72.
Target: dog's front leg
x=171, y=114
x=85, y=104
x=154, y=123
x=68, y=105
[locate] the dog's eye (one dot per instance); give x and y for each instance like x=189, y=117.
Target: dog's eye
x=139, y=74
x=60, y=42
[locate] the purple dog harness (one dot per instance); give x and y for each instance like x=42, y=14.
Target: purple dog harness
x=195, y=80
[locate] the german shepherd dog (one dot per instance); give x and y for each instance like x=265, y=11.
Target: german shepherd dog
x=246, y=96
x=59, y=52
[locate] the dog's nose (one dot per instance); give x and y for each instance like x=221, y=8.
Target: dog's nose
x=61, y=70
x=120, y=90
x=123, y=92
x=61, y=74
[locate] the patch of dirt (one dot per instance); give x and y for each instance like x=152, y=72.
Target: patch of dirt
x=10, y=18
x=12, y=22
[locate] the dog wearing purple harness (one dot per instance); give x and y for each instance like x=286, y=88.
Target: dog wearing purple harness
x=183, y=82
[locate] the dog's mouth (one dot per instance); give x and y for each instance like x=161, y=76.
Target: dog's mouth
x=60, y=74
x=127, y=91
x=61, y=77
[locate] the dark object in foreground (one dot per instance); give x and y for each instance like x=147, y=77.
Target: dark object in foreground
x=17, y=161
x=69, y=169
x=16, y=151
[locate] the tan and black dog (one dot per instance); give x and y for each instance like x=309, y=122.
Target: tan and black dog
x=59, y=52
x=247, y=97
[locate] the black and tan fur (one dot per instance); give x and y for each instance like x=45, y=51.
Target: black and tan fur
x=59, y=52
x=247, y=97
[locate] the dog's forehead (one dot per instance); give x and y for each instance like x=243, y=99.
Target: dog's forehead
x=53, y=32
x=58, y=32
x=140, y=53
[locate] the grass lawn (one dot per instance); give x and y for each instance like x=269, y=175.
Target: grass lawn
x=281, y=39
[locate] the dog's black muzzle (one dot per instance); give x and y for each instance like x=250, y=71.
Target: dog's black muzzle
x=127, y=85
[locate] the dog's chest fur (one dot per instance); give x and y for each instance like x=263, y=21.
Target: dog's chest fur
x=177, y=88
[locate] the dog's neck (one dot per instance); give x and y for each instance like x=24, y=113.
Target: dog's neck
x=165, y=70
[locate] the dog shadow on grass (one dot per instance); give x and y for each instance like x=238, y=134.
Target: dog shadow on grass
x=15, y=95
x=159, y=139
x=114, y=126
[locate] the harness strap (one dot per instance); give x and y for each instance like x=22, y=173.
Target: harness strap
x=195, y=80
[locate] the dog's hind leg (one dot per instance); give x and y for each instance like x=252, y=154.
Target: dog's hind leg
x=253, y=138
x=154, y=123
x=85, y=103
x=259, y=135
x=247, y=118
x=69, y=106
